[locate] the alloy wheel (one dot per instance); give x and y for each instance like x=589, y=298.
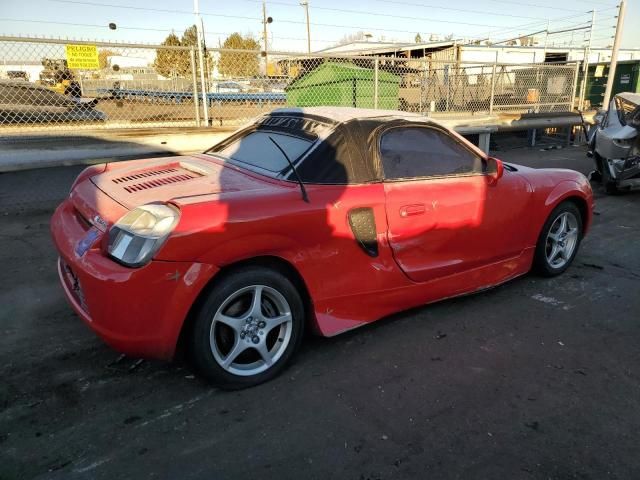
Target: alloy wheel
x=251, y=330
x=562, y=240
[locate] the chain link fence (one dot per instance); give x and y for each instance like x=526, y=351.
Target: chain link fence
x=135, y=85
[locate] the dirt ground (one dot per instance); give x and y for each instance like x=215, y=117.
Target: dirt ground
x=536, y=379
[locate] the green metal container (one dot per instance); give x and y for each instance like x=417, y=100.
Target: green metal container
x=343, y=85
x=627, y=79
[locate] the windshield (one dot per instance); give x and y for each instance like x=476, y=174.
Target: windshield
x=625, y=109
x=257, y=150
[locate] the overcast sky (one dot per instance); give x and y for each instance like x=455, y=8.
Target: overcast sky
x=331, y=20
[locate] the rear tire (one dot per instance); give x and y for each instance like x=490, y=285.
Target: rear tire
x=248, y=328
x=559, y=240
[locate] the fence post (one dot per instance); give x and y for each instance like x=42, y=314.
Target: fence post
x=421, y=108
x=447, y=77
x=575, y=86
x=354, y=92
x=493, y=88
x=375, y=83
x=194, y=80
x=80, y=74
x=203, y=84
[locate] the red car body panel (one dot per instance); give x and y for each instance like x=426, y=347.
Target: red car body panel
x=436, y=239
x=108, y=295
x=458, y=225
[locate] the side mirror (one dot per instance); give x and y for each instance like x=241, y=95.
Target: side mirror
x=495, y=170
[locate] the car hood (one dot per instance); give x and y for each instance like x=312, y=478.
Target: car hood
x=138, y=182
x=549, y=176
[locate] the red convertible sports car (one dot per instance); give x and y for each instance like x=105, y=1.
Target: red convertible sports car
x=320, y=218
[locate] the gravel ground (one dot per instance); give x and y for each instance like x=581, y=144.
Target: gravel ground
x=536, y=379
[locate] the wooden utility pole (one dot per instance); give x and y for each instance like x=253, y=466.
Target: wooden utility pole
x=585, y=63
x=200, y=37
x=614, y=54
x=305, y=4
x=264, y=33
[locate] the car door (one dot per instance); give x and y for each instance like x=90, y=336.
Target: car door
x=445, y=215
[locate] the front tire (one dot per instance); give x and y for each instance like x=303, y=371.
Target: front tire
x=248, y=328
x=559, y=240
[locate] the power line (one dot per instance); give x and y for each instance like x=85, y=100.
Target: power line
x=359, y=12
x=89, y=25
x=500, y=30
x=532, y=25
x=163, y=30
x=456, y=9
x=128, y=7
x=568, y=30
x=19, y=20
x=403, y=17
x=320, y=40
x=242, y=17
x=399, y=17
x=536, y=5
x=608, y=27
x=604, y=4
x=561, y=19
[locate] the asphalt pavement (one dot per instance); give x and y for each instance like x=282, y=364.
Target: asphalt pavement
x=536, y=379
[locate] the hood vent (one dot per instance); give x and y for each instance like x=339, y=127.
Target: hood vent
x=154, y=178
x=140, y=175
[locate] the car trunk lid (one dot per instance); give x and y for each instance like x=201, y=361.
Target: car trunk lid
x=164, y=179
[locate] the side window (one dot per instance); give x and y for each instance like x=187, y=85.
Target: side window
x=415, y=152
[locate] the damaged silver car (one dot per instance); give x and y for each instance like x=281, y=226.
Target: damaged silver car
x=615, y=144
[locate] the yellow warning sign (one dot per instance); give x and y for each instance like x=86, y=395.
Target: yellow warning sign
x=82, y=57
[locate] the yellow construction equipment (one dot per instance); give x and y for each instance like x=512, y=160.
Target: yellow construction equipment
x=56, y=76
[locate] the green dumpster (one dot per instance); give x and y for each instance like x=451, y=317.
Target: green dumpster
x=343, y=85
x=627, y=79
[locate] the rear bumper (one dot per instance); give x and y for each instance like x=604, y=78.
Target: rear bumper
x=139, y=312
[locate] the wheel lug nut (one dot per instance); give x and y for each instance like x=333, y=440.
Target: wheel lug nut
x=262, y=324
x=255, y=339
x=243, y=334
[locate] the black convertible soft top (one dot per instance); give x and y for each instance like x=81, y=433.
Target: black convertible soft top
x=342, y=151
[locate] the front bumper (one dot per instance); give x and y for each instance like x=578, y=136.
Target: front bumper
x=140, y=311
x=622, y=170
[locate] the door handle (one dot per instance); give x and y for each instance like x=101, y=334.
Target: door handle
x=409, y=210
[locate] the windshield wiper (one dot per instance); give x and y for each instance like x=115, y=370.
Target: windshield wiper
x=295, y=172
